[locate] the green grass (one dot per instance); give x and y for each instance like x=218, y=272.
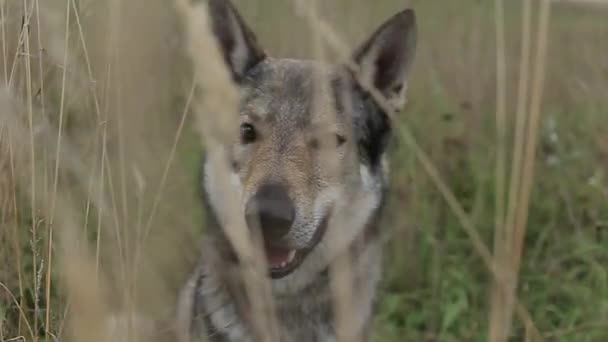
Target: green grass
x=436, y=286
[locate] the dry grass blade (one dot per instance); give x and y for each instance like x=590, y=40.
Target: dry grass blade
x=16, y=240
x=83, y=283
x=500, y=239
x=4, y=43
x=342, y=280
x=163, y=180
x=527, y=173
x=498, y=329
x=101, y=126
x=20, y=307
x=9, y=220
x=142, y=232
x=28, y=12
x=56, y=174
x=221, y=96
x=23, y=41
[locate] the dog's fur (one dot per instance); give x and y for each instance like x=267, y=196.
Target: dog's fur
x=325, y=153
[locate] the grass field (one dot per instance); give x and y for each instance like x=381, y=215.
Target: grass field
x=98, y=174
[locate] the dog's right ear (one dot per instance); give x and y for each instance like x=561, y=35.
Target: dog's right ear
x=237, y=42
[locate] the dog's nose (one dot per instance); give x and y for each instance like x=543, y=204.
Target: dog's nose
x=272, y=210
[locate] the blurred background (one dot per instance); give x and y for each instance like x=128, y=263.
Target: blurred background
x=99, y=164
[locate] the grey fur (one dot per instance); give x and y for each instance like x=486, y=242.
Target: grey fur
x=329, y=153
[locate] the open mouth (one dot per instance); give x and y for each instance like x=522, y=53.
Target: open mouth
x=282, y=261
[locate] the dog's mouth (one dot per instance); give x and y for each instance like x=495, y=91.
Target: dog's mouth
x=282, y=261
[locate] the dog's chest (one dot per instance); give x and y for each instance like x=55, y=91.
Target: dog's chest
x=305, y=318
x=301, y=320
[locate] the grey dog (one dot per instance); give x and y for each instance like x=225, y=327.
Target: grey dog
x=311, y=172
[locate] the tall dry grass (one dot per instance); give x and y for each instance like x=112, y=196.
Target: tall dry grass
x=97, y=108
x=90, y=171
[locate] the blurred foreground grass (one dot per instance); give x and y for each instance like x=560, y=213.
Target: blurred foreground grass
x=436, y=287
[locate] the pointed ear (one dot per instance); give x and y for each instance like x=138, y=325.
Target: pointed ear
x=238, y=43
x=385, y=58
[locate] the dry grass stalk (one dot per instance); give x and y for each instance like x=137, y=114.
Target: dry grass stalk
x=500, y=234
x=16, y=134
x=10, y=166
x=56, y=175
x=8, y=229
x=12, y=118
x=33, y=158
x=6, y=179
x=498, y=330
x=341, y=275
x=216, y=119
x=527, y=173
x=63, y=158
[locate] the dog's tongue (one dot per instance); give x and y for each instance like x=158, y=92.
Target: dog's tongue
x=279, y=257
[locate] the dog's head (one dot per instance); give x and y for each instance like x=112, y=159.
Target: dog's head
x=309, y=159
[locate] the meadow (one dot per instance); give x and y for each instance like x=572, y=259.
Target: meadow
x=497, y=222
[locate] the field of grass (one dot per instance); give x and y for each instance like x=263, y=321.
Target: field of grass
x=99, y=157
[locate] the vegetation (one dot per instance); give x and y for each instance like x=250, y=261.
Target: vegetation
x=99, y=158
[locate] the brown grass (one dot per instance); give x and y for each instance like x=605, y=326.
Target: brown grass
x=92, y=178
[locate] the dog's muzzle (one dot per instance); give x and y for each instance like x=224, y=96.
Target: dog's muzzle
x=271, y=212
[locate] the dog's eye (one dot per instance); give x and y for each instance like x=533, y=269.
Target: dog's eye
x=248, y=133
x=315, y=143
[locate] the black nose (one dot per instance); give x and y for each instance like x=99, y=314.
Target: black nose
x=271, y=210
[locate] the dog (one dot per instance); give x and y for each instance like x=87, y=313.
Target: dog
x=311, y=171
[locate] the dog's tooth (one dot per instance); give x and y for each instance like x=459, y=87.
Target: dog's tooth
x=291, y=255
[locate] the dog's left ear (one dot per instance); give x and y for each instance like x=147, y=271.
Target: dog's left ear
x=385, y=58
